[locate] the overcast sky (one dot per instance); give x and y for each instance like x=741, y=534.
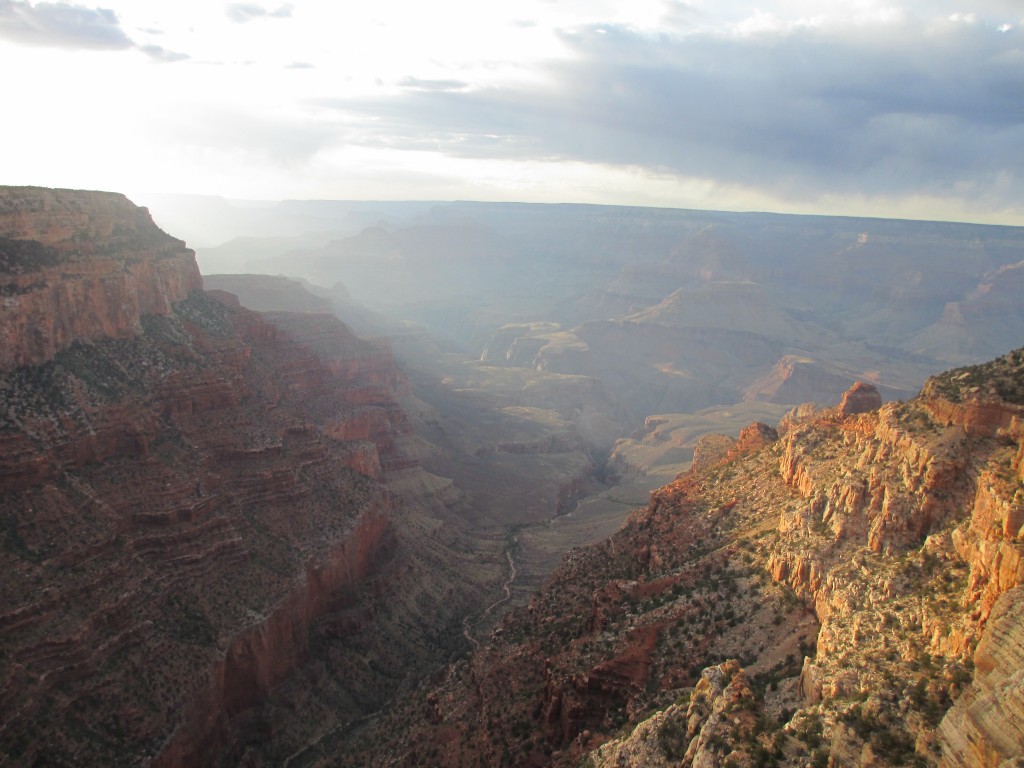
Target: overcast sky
x=906, y=108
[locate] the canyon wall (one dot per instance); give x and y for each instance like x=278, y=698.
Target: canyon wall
x=81, y=267
x=194, y=511
x=837, y=592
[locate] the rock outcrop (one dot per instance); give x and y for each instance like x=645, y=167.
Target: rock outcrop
x=722, y=712
x=751, y=439
x=81, y=267
x=986, y=725
x=711, y=449
x=860, y=398
x=861, y=572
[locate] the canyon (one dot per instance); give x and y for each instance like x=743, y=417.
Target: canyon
x=249, y=520
x=208, y=515
x=673, y=311
x=841, y=590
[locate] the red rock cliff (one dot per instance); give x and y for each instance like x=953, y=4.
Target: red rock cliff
x=190, y=504
x=81, y=266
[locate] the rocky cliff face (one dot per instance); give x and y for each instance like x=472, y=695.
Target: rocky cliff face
x=840, y=595
x=81, y=267
x=193, y=507
x=986, y=725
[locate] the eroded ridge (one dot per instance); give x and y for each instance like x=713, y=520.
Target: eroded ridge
x=838, y=591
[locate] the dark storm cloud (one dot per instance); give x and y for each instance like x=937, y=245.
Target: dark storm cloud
x=243, y=12
x=880, y=110
x=62, y=25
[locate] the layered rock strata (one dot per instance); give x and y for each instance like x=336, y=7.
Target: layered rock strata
x=986, y=725
x=860, y=570
x=206, y=522
x=193, y=517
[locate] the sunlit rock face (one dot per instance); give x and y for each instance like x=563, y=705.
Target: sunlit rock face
x=986, y=725
x=847, y=593
x=860, y=398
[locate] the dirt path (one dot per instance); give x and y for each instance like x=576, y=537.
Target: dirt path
x=469, y=620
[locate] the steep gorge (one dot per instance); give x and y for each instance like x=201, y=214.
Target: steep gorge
x=196, y=518
x=227, y=540
x=817, y=596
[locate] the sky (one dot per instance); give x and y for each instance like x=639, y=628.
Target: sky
x=908, y=109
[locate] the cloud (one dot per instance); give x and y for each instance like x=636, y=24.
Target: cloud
x=416, y=83
x=243, y=12
x=680, y=15
x=159, y=53
x=62, y=25
x=72, y=27
x=889, y=108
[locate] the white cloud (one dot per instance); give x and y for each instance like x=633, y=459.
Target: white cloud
x=61, y=25
x=779, y=104
x=73, y=27
x=760, y=23
x=243, y=12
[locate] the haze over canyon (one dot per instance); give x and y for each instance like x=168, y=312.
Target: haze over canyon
x=458, y=483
